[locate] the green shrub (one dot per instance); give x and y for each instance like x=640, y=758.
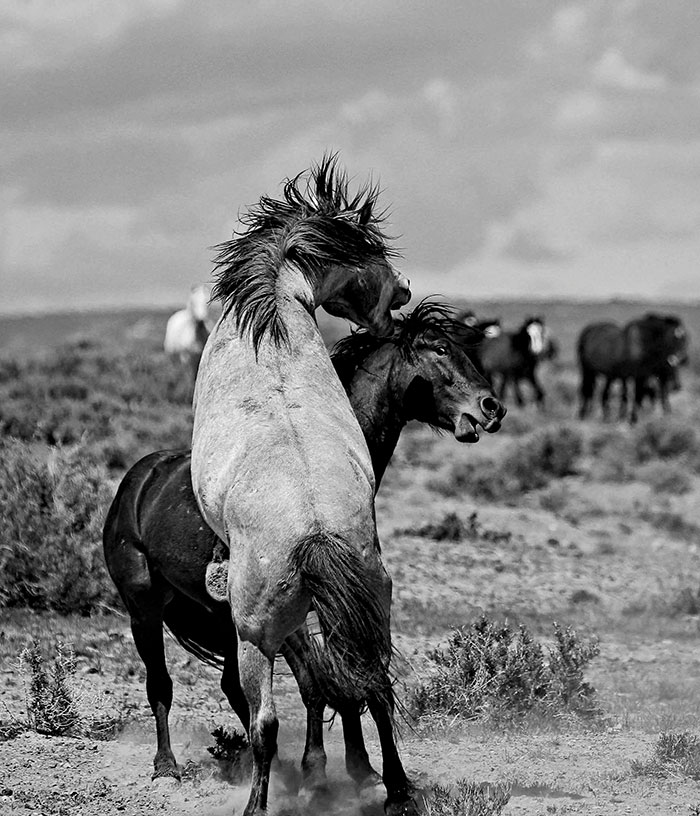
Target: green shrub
x=666, y=477
x=499, y=671
x=51, y=704
x=671, y=523
x=466, y=799
x=452, y=528
x=665, y=438
x=135, y=399
x=675, y=754
x=55, y=702
x=528, y=464
x=51, y=515
x=230, y=750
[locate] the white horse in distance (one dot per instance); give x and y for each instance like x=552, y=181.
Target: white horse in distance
x=187, y=330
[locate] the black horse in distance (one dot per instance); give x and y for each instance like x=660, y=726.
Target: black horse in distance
x=646, y=350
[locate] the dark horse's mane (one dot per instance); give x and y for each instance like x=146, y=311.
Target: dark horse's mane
x=438, y=318
x=316, y=223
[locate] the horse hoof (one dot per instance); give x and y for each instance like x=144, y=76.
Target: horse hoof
x=369, y=781
x=165, y=783
x=165, y=767
x=406, y=808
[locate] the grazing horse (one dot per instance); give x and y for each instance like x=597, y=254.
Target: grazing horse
x=422, y=373
x=187, y=330
x=514, y=356
x=280, y=469
x=648, y=347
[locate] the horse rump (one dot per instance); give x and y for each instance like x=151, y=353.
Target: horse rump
x=351, y=600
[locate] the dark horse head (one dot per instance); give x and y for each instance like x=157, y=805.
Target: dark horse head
x=426, y=363
x=660, y=339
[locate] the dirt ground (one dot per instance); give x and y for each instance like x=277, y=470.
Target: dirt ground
x=596, y=561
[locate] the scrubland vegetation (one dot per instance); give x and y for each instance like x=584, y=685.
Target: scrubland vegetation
x=546, y=580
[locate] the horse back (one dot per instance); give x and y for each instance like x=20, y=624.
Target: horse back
x=277, y=450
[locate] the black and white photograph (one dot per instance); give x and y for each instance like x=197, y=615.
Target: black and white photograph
x=350, y=408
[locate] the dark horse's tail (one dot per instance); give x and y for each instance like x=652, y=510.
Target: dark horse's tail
x=353, y=662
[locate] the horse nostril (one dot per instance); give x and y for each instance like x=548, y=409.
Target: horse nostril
x=490, y=406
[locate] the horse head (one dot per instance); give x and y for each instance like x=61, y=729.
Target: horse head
x=535, y=330
x=369, y=296
x=428, y=370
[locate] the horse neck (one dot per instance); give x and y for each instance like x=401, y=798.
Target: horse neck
x=375, y=396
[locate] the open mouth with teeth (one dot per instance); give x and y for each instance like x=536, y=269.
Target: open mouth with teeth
x=466, y=428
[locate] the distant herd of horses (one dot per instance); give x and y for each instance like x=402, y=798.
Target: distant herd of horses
x=268, y=522
x=644, y=356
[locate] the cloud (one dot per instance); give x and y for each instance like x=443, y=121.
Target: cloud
x=527, y=246
x=613, y=70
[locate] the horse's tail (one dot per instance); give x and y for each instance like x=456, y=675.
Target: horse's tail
x=352, y=663
x=196, y=629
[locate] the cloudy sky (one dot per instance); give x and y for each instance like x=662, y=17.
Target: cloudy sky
x=526, y=148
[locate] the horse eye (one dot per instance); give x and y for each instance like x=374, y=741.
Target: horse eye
x=441, y=351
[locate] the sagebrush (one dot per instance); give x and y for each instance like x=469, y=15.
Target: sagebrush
x=466, y=799
x=495, y=670
x=530, y=463
x=675, y=754
x=52, y=507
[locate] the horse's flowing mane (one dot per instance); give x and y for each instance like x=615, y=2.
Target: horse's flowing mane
x=317, y=223
x=437, y=318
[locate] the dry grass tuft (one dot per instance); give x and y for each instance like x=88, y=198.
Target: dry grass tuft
x=466, y=799
x=675, y=754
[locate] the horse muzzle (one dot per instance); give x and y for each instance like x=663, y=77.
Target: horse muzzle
x=492, y=411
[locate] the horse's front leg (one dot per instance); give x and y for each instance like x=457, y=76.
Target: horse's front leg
x=255, y=670
x=539, y=391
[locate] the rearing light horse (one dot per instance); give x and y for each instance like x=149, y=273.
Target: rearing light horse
x=280, y=468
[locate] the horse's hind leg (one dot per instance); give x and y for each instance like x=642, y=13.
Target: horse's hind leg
x=256, y=680
x=357, y=761
x=145, y=604
x=586, y=392
x=539, y=391
x=313, y=762
x=605, y=396
x=398, y=795
x=624, y=399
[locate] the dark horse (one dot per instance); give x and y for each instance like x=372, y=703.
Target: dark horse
x=647, y=348
x=510, y=357
x=158, y=547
